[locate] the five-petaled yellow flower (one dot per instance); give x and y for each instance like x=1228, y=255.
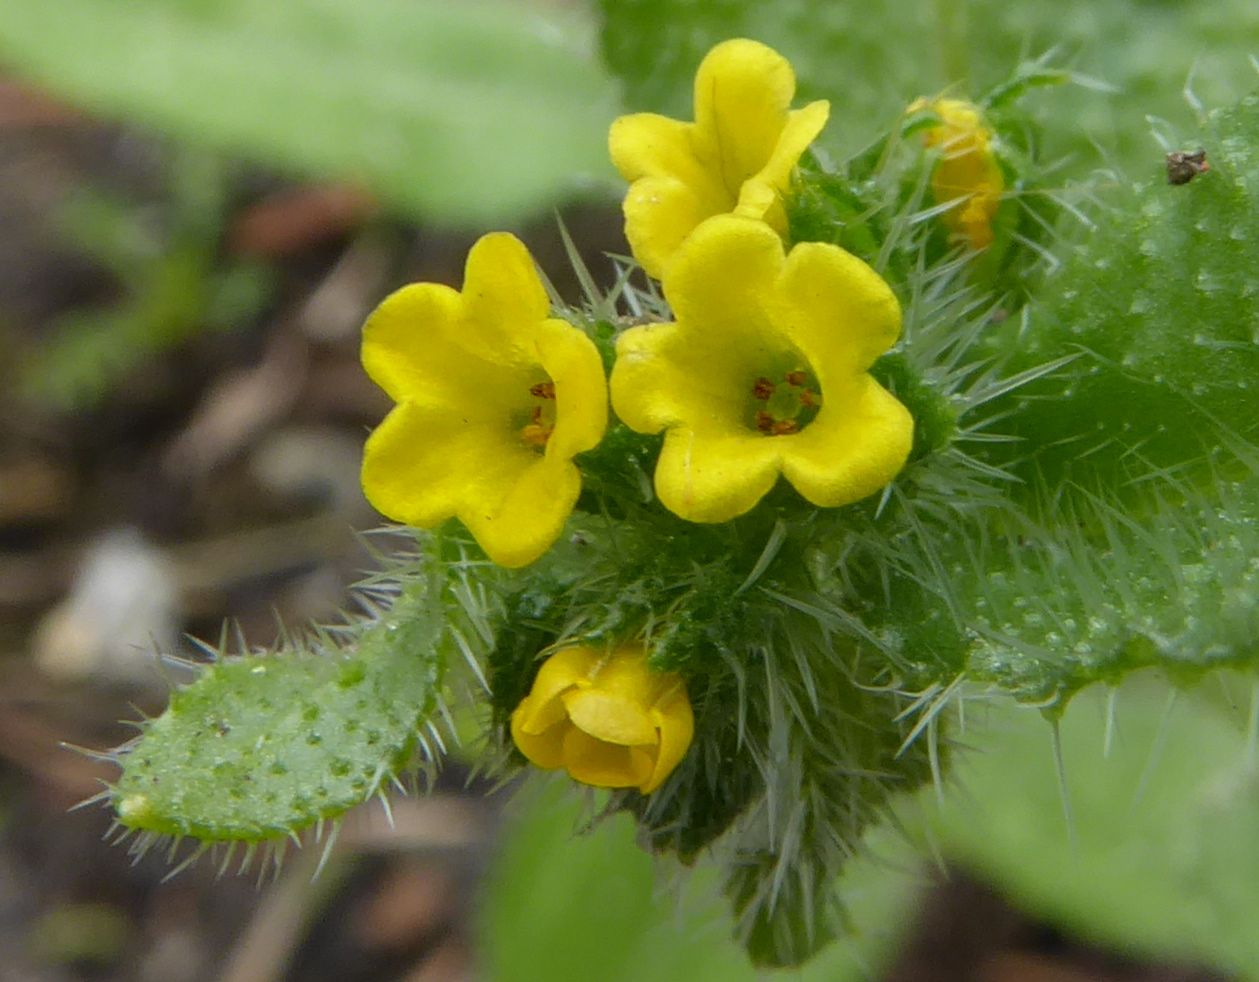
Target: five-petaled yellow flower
x=737, y=156
x=967, y=172
x=493, y=397
x=605, y=717
x=765, y=372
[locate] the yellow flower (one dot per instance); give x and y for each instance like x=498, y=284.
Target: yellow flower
x=967, y=172
x=737, y=156
x=493, y=400
x=765, y=372
x=606, y=718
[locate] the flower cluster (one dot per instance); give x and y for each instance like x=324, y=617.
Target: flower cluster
x=763, y=372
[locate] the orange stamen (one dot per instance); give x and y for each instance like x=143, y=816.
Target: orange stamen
x=534, y=435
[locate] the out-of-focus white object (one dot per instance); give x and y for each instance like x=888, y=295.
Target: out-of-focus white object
x=122, y=609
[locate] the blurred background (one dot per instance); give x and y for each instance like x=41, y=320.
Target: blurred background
x=200, y=200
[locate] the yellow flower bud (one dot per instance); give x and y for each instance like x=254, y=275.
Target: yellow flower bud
x=605, y=717
x=967, y=173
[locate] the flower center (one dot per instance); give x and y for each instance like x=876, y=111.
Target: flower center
x=784, y=403
x=540, y=420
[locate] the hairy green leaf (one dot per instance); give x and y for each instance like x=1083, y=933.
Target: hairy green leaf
x=262, y=746
x=1158, y=303
x=1089, y=593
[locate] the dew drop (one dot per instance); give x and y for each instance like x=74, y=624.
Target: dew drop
x=1207, y=282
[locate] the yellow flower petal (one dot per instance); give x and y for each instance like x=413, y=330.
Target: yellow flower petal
x=413, y=349
x=718, y=285
x=535, y=715
x=605, y=765
x=852, y=450
x=516, y=527
x=676, y=724
x=562, y=670
x=546, y=748
x=626, y=674
x=967, y=172
x=572, y=361
x=660, y=212
x=743, y=91
x=837, y=309
x=738, y=154
x=610, y=717
x=661, y=378
x=762, y=194
x=621, y=725
x=721, y=278
x=421, y=463
x=714, y=476
x=648, y=145
x=503, y=297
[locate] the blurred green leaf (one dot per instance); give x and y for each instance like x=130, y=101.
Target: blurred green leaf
x=564, y=906
x=173, y=282
x=1160, y=855
x=478, y=111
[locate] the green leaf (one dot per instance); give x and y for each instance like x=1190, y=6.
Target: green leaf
x=476, y=112
x=262, y=746
x=534, y=924
x=1044, y=604
x=1159, y=304
x=1159, y=854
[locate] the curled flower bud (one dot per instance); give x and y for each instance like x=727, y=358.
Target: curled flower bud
x=605, y=717
x=967, y=172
